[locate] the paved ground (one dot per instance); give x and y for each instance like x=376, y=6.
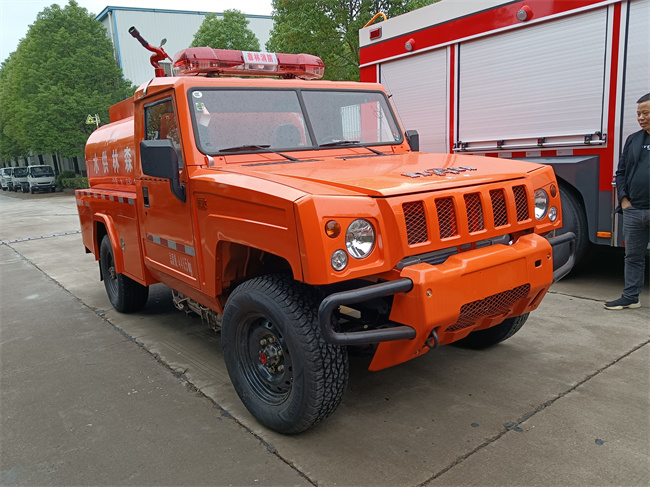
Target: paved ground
x=89, y=396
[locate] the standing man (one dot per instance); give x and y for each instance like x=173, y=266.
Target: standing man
x=633, y=185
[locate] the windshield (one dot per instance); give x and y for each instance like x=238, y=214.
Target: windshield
x=20, y=172
x=253, y=119
x=41, y=171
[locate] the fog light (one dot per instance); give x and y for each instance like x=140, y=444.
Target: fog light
x=339, y=260
x=552, y=213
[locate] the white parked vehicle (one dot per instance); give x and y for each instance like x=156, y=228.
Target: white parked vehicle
x=5, y=178
x=19, y=179
x=41, y=178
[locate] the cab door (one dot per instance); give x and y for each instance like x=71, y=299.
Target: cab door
x=167, y=228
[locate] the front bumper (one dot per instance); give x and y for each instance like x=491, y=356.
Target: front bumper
x=43, y=186
x=470, y=291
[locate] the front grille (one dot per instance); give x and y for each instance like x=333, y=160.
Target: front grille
x=446, y=217
x=416, y=222
x=494, y=305
x=483, y=210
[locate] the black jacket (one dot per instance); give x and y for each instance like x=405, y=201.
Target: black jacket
x=629, y=157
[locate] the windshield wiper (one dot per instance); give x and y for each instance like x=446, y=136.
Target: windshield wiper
x=265, y=148
x=341, y=143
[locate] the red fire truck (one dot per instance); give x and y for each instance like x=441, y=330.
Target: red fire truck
x=553, y=82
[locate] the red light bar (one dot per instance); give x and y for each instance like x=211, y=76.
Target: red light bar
x=205, y=60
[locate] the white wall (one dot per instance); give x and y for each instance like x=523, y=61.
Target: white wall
x=177, y=26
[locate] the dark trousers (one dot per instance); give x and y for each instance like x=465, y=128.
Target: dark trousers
x=636, y=231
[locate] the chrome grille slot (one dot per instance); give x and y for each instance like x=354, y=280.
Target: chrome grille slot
x=416, y=222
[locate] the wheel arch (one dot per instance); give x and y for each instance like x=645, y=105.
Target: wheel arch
x=580, y=178
x=104, y=225
x=238, y=262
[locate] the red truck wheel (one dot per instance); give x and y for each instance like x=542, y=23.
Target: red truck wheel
x=286, y=375
x=491, y=336
x=125, y=294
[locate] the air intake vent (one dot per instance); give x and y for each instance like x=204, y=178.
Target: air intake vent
x=446, y=217
x=416, y=222
x=494, y=305
x=499, y=207
x=521, y=201
x=474, y=212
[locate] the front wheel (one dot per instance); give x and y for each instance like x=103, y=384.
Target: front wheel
x=31, y=189
x=491, y=336
x=286, y=375
x=125, y=294
x=574, y=219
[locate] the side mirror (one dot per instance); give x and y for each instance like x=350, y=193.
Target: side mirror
x=160, y=160
x=413, y=139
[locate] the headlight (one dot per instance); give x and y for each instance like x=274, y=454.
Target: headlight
x=360, y=239
x=552, y=213
x=541, y=204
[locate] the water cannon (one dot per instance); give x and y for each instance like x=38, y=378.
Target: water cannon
x=158, y=55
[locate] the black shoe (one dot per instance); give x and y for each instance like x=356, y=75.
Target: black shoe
x=623, y=302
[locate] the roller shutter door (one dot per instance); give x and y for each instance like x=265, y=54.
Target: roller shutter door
x=419, y=84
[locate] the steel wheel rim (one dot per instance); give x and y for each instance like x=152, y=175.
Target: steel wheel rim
x=110, y=278
x=266, y=380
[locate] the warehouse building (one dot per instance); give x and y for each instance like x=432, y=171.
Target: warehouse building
x=177, y=26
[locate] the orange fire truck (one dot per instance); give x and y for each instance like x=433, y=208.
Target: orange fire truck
x=547, y=81
x=295, y=216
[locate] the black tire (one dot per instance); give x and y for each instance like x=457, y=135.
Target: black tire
x=286, y=375
x=574, y=219
x=31, y=189
x=480, y=339
x=126, y=295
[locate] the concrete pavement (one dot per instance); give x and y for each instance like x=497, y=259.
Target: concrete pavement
x=564, y=402
x=82, y=404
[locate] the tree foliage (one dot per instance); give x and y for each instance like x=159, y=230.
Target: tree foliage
x=231, y=32
x=330, y=29
x=61, y=71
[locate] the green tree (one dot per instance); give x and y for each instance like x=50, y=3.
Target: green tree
x=61, y=71
x=330, y=29
x=9, y=147
x=231, y=32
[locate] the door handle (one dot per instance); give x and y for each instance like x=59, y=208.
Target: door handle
x=145, y=196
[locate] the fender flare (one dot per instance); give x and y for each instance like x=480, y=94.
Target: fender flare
x=113, y=236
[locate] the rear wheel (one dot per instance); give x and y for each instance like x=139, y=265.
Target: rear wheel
x=125, y=294
x=491, y=336
x=286, y=375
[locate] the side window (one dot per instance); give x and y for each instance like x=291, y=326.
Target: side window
x=160, y=124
